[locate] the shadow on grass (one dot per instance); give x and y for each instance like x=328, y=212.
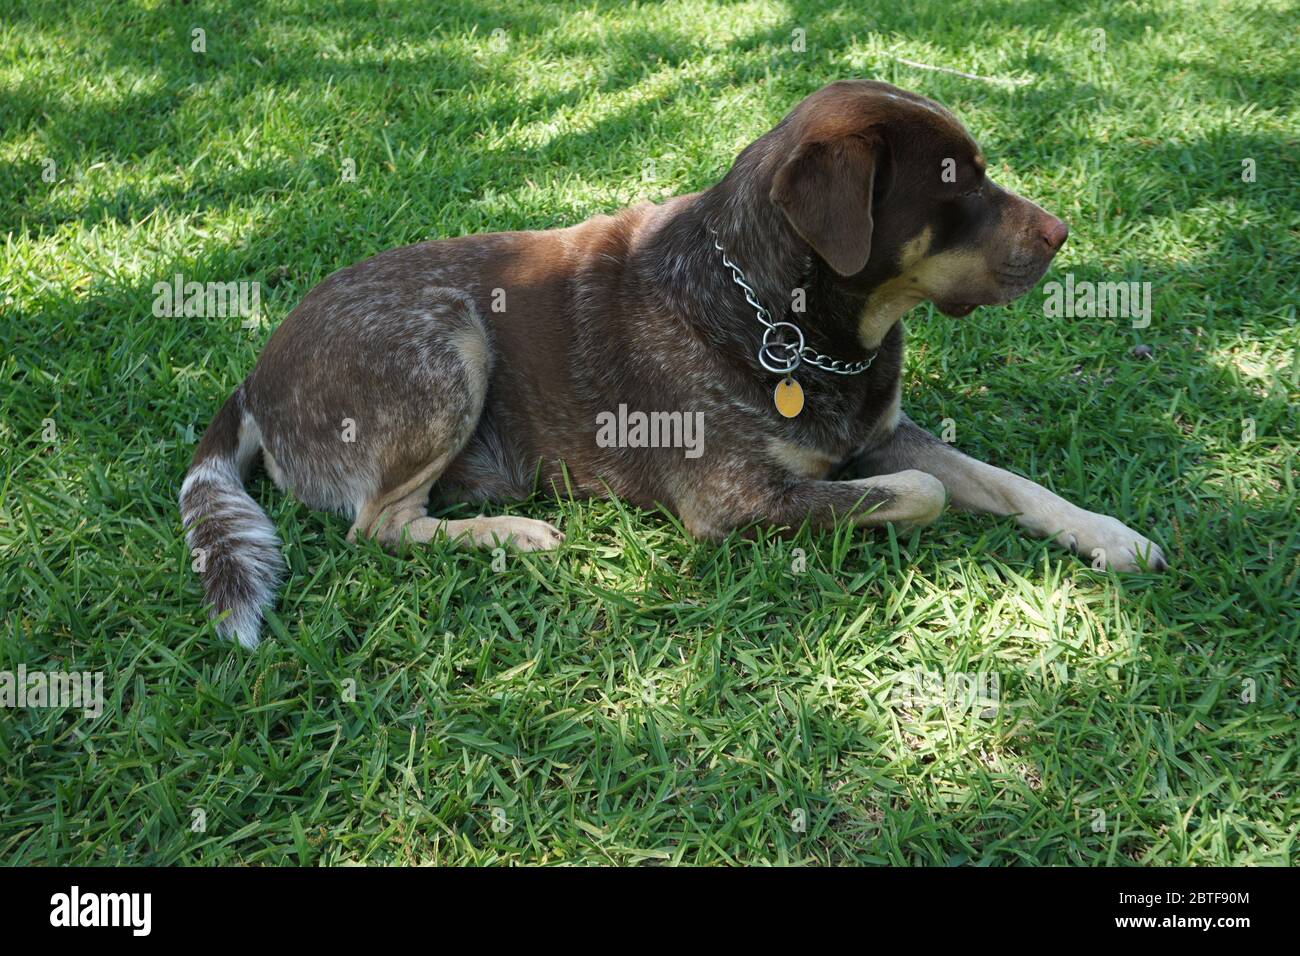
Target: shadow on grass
x=311, y=48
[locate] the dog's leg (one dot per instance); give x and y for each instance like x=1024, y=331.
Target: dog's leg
x=364, y=422
x=403, y=519
x=398, y=516
x=906, y=498
x=978, y=487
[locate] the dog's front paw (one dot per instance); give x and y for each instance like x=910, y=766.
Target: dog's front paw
x=1108, y=543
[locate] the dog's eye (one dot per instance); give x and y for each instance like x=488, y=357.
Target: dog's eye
x=972, y=193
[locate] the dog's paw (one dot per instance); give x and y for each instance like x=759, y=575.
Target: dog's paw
x=1108, y=543
x=527, y=534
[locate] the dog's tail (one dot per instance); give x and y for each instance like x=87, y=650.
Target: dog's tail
x=232, y=542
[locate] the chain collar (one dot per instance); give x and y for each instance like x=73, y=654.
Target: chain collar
x=777, y=355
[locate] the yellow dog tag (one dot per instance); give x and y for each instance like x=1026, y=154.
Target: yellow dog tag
x=788, y=397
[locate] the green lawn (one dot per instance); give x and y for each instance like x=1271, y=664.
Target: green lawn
x=639, y=697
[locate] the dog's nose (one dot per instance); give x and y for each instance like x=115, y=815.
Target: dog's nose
x=1053, y=232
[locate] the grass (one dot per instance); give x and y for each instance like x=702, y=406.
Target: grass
x=639, y=697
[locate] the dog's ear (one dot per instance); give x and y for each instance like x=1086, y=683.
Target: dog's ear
x=825, y=189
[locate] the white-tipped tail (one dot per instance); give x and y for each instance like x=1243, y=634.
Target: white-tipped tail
x=232, y=542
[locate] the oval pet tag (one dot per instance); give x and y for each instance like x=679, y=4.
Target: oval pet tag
x=788, y=397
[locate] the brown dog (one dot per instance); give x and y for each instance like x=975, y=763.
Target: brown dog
x=762, y=314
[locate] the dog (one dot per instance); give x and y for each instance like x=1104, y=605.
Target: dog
x=767, y=308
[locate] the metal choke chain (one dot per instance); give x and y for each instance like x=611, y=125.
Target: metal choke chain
x=782, y=357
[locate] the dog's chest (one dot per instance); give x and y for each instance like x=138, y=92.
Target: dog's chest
x=814, y=451
x=800, y=460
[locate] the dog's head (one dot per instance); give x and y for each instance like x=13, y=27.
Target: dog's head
x=891, y=191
